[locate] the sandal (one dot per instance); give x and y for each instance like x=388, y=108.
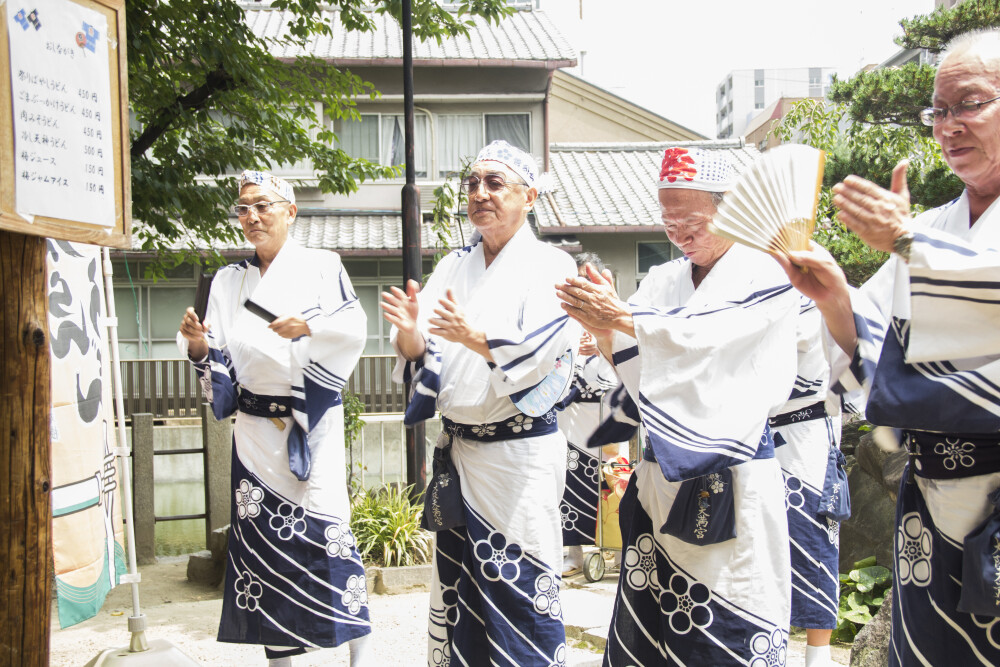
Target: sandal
x=572, y=572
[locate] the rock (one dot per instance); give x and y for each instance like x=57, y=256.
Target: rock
x=850, y=433
x=892, y=473
x=871, y=528
x=203, y=569
x=871, y=646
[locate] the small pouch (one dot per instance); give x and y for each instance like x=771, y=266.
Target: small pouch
x=443, y=505
x=703, y=511
x=981, y=565
x=835, y=500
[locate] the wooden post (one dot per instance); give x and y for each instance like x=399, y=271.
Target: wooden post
x=25, y=498
x=217, y=437
x=143, y=507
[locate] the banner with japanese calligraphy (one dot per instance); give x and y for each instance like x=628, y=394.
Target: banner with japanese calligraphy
x=87, y=534
x=61, y=103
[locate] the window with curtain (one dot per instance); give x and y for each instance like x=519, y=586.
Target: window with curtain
x=359, y=139
x=514, y=128
x=380, y=138
x=459, y=138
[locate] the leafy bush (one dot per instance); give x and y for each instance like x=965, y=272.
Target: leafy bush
x=862, y=591
x=386, y=524
x=353, y=423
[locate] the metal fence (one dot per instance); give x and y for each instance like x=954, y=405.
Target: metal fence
x=169, y=388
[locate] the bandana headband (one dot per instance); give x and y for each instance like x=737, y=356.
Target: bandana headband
x=514, y=158
x=267, y=181
x=695, y=169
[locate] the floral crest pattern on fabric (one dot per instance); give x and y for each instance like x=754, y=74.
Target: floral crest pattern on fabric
x=914, y=550
x=248, y=498
x=768, y=649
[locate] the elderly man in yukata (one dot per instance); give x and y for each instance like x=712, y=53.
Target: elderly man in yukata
x=930, y=318
x=484, y=330
x=706, y=349
x=282, y=333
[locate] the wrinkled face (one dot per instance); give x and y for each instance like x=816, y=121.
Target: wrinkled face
x=686, y=214
x=269, y=231
x=971, y=144
x=499, y=214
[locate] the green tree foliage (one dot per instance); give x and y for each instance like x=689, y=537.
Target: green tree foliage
x=209, y=98
x=870, y=123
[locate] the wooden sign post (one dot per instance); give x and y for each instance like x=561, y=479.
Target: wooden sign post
x=65, y=176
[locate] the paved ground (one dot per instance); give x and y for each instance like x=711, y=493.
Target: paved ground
x=187, y=616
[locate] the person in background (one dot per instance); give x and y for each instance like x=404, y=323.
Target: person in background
x=582, y=411
x=921, y=337
x=706, y=350
x=294, y=579
x=484, y=331
x=806, y=431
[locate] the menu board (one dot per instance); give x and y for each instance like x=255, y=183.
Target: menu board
x=65, y=96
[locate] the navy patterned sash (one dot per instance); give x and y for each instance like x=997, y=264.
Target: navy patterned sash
x=808, y=413
x=951, y=455
x=516, y=427
x=259, y=405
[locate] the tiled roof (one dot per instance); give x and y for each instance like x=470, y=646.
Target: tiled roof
x=360, y=233
x=526, y=38
x=612, y=185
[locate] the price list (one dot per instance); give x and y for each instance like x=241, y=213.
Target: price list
x=61, y=98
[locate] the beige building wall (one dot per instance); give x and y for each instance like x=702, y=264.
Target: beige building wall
x=580, y=111
x=758, y=132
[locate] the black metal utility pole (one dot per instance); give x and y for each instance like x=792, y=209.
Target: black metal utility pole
x=416, y=467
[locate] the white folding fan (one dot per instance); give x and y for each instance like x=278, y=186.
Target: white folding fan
x=772, y=205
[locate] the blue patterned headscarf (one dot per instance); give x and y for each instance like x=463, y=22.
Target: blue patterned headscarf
x=514, y=158
x=267, y=181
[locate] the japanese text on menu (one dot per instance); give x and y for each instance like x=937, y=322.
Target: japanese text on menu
x=61, y=96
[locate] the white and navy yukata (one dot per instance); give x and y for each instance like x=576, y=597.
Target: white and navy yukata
x=581, y=413
x=294, y=579
x=805, y=429
x=496, y=580
x=707, y=367
x=938, y=380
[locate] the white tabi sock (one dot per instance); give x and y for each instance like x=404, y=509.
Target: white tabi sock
x=818, y=656
x=359, y=650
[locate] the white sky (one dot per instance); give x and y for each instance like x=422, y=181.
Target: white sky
x=669, y=56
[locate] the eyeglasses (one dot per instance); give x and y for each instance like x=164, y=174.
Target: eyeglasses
x=494, y=184
x=262, y=207
x=934, y=115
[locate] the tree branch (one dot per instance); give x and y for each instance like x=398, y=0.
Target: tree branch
x=218, y=80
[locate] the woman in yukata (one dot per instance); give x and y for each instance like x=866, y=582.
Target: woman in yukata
x=282, y=332
x=706, y=350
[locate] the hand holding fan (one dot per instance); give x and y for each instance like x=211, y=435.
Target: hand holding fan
x=772, y=205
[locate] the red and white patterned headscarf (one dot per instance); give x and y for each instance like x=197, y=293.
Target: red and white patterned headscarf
x=695, y=169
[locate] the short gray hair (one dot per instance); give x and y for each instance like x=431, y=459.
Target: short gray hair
x=591, y=258
x=984, y=43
